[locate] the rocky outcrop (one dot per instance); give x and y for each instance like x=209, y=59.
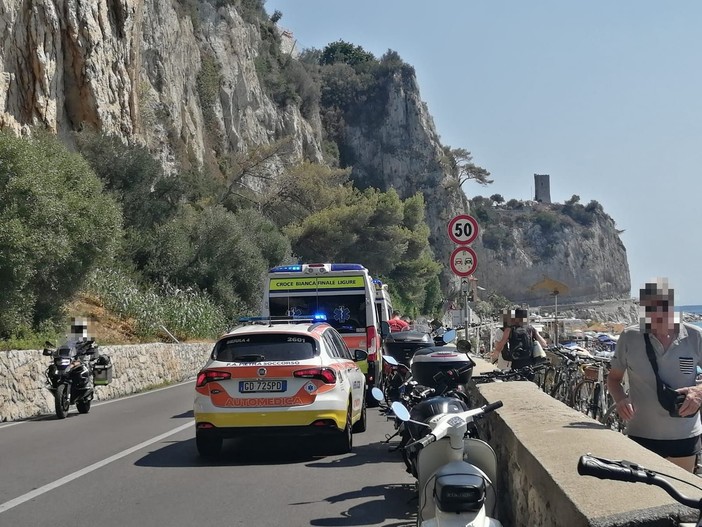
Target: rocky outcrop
x=538, y=241
x=402, y=150
x=181, y=76
x=131, y=68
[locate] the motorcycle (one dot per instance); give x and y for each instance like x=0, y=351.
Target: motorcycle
x=456, y=475
x=70, y=376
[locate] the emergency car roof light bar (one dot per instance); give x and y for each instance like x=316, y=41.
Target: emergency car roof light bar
x=283, y=319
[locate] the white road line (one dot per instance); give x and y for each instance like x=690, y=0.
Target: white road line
x=82, y=472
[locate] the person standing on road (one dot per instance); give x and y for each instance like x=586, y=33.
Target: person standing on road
x=654, y=418
x=396, y=323
x=514, y=321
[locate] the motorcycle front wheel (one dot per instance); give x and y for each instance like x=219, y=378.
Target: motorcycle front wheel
x=61, y=401
x=83, y=406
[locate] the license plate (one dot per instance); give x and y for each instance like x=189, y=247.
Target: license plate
x=262, y=386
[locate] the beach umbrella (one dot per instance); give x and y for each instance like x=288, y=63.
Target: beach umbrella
x=554, y=288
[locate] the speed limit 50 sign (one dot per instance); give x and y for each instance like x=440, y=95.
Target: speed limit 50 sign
x=463, y=229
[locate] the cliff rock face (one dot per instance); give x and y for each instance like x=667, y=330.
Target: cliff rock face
x=130, y=67
x=402, y=150
x=589, y=259
x=180, y=76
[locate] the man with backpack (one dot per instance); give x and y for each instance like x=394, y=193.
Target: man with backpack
x=518, y=343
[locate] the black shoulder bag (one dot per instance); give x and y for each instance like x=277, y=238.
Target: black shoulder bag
x=669, y=399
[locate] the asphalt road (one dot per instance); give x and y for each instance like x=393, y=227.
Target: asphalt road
x=132, y=461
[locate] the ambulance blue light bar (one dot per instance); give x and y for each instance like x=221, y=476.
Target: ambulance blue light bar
x=320, y=317
x=347, y=267
x=287, y=269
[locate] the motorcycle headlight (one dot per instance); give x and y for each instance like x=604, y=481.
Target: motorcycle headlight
x=64, y=362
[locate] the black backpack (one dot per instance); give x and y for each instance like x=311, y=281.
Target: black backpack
x=520, y=345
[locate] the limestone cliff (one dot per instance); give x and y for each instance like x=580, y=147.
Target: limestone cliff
x=131, y=68
x=522, y=243
x=401, y=149
x=184, y=77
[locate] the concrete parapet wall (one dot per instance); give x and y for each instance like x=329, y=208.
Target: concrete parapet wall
x=539, y=440
x=135, y=368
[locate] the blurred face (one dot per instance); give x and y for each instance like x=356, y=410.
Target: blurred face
x=657, y=310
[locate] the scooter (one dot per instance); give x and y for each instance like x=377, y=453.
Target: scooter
x=69, y=377
x=456, y=476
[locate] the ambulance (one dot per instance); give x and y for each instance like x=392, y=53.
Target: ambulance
x=342, y=294
x=383, y=303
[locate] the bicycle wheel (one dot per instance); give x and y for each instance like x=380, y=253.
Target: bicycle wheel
x=584, y=397
x=612, y=420
x=561, y=392
x=549, y=381
x=539, y=377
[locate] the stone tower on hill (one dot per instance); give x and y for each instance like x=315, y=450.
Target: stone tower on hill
x=542, y=188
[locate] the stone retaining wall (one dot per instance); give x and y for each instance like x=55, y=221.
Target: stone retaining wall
x=135, y=368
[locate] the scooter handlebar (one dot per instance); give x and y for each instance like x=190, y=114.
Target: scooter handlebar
x=421, y=443
x=492, y=407
x=605, y=469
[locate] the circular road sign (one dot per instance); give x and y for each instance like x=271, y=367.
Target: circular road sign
x=464, y=261
x=463, y=229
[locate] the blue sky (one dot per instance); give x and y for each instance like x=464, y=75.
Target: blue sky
x=606, y=97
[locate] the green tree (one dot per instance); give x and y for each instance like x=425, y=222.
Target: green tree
x=497, y=198
x=459, y=164
x=379, y=230
x=223, y=253
x=345, y=52
x=134, y=177
x=56, y=224
x=305, y=189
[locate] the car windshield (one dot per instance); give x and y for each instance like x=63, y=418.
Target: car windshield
x=258, y=348
x=346, y=313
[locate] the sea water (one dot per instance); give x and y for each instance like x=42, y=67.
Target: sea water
x=691, y=309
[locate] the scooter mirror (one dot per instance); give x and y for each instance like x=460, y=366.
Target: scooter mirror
x=46, y=352
x=49, y=344
x=464, y=346
x=400, y=411
x=390, y=360
x=449, y=336
x=377, y=394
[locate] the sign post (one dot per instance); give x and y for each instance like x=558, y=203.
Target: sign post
x=463, y=230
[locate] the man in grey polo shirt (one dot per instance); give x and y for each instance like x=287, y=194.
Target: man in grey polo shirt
x=678, y=350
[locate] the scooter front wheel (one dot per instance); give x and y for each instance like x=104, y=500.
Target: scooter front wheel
x=61, y=401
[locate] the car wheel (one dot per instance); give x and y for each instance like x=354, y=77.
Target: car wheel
x=343, y=441
x=360, y=425
x=208, y=446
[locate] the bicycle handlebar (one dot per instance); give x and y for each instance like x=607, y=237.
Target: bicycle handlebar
x=603, y=468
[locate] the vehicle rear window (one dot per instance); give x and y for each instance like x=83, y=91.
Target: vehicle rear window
x=258, y=348
x=346, y=313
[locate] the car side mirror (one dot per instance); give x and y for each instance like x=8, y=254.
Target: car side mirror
x=384, y=329
x=360, y=355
